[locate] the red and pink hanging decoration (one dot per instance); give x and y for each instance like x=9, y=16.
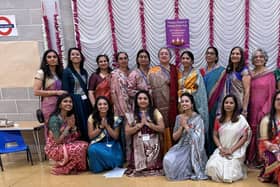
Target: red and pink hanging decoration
x=76, y=23
x=58, y=33
x=247, y=27
x=177, y=51
x=143, y=26
x=211, y=23
x=46, y=30
x=113, y=31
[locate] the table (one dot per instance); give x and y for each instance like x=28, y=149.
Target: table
x=33, y=126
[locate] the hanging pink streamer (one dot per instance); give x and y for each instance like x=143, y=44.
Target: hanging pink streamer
x=143, y=25
x=247, y=28
x=76, y=24
x=113, y=31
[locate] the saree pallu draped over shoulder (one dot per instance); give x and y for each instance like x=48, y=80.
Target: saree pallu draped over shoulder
x=164, y=84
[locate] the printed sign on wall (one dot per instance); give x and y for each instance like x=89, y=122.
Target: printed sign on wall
x=8, y=25
x=177, y=33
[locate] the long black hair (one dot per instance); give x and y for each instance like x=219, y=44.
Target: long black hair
x=46, y=69
x=70, y=63
x=96, y=114
x=192, y=101
x=97, y=61
x=150, y=108
x=57, y=109
x=235, y=115
x=272, y=126
x=240, y=65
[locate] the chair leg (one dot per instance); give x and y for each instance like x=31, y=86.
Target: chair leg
x=27, y=155
x=30, y=156
x=1, y=164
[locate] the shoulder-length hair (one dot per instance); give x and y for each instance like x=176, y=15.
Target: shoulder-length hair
x=46, y=69
x=96, y=113
x=235, y=115
x=150, y=108
x=272, y=126
x=241, y=63
x=186, y=94
x=97, y=61
x=70, y=63
x=59, y=101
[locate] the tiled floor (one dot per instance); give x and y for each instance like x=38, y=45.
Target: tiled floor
x=20, y=173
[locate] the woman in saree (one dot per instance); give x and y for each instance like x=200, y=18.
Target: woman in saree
x=164, y=83
x=145, y=132
x=120, y=98
x=269, y=144
x=137, y=79
x=214, y=77
x=238, y=79
x=62, y=145
x=119, y=85
x=191, y=81
x=47, y=83
x=75, y=83
x=231, y=135
x=263, y=87
x=99, y=82
x=187, y=159
x=104, y=151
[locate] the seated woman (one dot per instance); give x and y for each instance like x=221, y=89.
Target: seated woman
x=269, y=144
x=146, y=135
x=187, y=159
x=62, y=145
x=231, y=135
x=104, y=151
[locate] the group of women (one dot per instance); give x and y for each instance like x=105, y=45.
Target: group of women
x=162, y=119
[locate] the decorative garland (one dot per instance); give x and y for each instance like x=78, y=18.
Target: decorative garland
x=46, y=30
x=177, y=50
x=76, y=23
x=143, y=25
x=278, y=60
x=211, y=22
x=58, y=34
x=113, y=31
x=247, y=27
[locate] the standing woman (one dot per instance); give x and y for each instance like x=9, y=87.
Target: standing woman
x=119, y=85
x=231, y=135
x=62, y=145
x=47, y=83
x=214, y=80
x=238, y=79
x=104, y=151
x=263, y=87
x=190, y=81
x=164, y=82
x=75, y=83
x=269, y=145
x=137, y=79
x=99, y=82
x=120, y=98
x=145, y=132
x=187, y=159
